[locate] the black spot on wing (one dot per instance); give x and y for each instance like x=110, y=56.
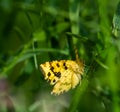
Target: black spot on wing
x=49, y=74
x=52, y=68
x=64, y=64
x=58, y=65
x=54, y=81
x=57, y=74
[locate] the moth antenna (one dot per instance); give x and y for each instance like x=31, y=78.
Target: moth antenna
x=76, y=54
x=78, y=60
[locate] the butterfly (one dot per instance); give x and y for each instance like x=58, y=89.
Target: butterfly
x=63, y=74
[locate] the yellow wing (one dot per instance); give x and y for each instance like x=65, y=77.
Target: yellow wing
x=68, y=80
x=63, y=74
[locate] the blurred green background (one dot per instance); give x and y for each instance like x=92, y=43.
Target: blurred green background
x=35, y=31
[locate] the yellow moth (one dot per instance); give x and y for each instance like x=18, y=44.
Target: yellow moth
x=63, y=74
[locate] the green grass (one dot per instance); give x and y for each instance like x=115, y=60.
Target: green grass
x=35, y=31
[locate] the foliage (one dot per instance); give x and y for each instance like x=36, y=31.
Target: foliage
x=35, y=31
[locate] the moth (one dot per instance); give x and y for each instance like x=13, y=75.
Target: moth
x=63, y=74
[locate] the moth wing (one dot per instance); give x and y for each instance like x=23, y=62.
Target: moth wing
x=45, y=68
x=51, y=76
x=75, y=79
x=68, y=80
